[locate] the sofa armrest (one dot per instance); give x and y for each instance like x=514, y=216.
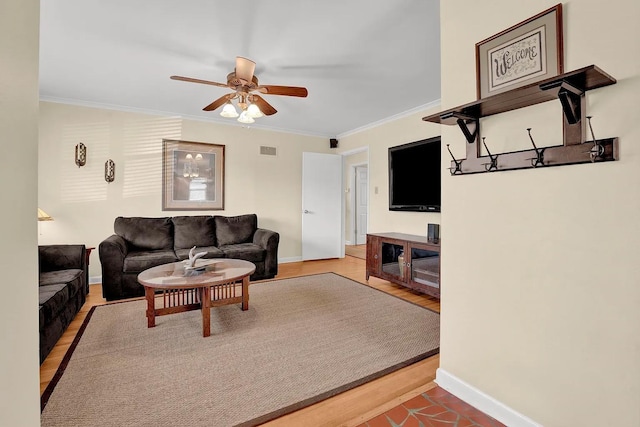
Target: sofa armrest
x=112, y=252
x=62, y=257
x=268, y=240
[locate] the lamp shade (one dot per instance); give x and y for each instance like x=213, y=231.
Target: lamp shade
x=254, y=111
x=229, y=110
x=245, y=118
x=43, y=216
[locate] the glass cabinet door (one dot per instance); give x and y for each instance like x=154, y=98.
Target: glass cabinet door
x=425, y=267
x=393, y=259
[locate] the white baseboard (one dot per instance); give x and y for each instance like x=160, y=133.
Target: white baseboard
x=348, y=242
x=95, y=279
x=482, y=401
x=289, y=259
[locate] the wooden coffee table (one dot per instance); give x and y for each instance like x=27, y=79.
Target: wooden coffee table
x=222, y=281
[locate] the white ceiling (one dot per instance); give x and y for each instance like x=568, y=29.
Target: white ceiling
x=362, y=61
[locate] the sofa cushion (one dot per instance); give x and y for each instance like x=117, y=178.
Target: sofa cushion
x=137, y=262
x=231, y=230
x=42, y=317
x=192, y=231
x=60, y=257
x=72, y=276
x=52, y=299
x=212, y=252
x=247, y=251
x=145, y=233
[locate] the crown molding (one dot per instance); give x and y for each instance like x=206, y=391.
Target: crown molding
x=404, y=114
x=90, y=104
x=225, y=122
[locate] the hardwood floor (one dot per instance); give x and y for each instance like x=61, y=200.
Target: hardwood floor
x=358, y=251
x=350, y=408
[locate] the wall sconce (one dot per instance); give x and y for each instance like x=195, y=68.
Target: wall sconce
x=81, y=154
x=109, y=170
x=43, y=216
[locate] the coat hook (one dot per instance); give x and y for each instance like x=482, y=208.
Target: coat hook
x=539, y=159
x=493, y=165
x=81, y=154
x=597, y=151
x=457, y=170
x=109, y=170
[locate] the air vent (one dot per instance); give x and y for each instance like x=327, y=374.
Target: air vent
x=267, y=151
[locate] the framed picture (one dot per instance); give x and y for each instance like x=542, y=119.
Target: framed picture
x=193, y=176
x=523, y=54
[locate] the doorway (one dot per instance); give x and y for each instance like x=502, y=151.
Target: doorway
x=356, y=172
x=361, y=205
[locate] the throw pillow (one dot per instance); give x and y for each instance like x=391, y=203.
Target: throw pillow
x=193, y=231
x=231, y=230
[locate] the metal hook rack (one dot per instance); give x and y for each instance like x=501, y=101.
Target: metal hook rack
x=597, y=151
x=569, y=89
x=457, y=169
x=493, y=164
x=539, y=159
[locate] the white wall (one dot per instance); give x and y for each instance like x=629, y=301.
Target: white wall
x=84, y=206
x=396, y=132
x=19, y=357
x=540, y=271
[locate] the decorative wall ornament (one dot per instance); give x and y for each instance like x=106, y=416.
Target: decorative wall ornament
x=193, y=175
x=81, y=154
x=109, y=170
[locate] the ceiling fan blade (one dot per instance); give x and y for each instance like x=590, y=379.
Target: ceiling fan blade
x=204, y=82
x=264, y=106
x=245, y=68
x=284, y=90
x=218, y=102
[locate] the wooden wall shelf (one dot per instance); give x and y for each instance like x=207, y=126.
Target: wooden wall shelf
x=569, y=88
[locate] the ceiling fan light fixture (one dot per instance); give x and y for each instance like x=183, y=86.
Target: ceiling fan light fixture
x=243, y=83
x=254, y=111
x=229, y=110
x=245, y=118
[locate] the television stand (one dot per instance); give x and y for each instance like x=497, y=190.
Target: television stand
x=405, y=259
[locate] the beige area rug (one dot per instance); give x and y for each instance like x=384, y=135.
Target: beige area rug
x=301, y=341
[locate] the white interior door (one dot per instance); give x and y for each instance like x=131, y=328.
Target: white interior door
x=321, y=206
x=362, y=200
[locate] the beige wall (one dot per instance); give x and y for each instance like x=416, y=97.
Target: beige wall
x=539, y=269
x=84, y=206
x=19, y=357
x=401, y=131
x=540, y=295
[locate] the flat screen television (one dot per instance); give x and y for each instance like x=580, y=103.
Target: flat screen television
x=414, y=176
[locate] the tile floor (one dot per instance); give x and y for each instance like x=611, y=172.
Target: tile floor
x=434, y=408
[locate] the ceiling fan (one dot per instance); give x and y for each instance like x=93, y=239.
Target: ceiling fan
x=244, y=84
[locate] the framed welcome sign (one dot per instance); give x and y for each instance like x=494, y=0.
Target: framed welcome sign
x=523, y=54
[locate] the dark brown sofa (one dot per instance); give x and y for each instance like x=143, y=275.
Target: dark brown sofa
x=141, y=243
x=63, y=290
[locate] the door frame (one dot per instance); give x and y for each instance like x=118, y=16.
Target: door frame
x=353, y=221
x=351, y=180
